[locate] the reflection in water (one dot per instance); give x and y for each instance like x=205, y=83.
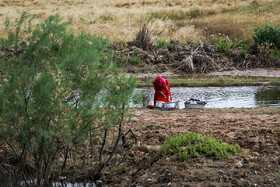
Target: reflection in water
x=268, y=95
x=220, y=97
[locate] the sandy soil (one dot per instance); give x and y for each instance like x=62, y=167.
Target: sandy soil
x=256, y=131
x=258, y=72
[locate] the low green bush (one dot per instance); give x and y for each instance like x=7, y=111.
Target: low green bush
x=134, y=59
x=224, y=44
x=161, y=43
x=275, y=53
x=267, y=35
x=244, y=44
x=192, y=145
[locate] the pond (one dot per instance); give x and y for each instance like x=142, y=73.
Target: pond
x=221, y=97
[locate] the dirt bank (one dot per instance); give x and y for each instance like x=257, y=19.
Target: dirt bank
x=256, y=131
x=254, y=72
x=257, y=72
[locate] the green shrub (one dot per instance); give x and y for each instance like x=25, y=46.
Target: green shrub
x=134, y=59
x=243, y=53
x=267, y=35
x=275, y=53
x=244, y=44
x=161, y=43
x=192, y=145
x=223, y=44
x=58, y=91
x=171, y=47
x=183, y=154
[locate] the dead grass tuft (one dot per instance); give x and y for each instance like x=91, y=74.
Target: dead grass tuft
x=143, y=38
x=108, y=16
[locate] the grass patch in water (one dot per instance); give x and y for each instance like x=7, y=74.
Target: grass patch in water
x=213, y=81
x=192, y=145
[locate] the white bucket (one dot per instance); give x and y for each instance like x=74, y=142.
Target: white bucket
x=171, y=105
x=159, y=104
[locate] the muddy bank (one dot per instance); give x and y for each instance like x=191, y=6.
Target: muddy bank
x=257, y=72
x=256, y=131
x=254, y=72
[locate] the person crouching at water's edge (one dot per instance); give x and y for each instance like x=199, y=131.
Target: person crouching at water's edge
x=162, y=90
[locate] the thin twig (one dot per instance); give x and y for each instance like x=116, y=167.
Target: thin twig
x=103, y=144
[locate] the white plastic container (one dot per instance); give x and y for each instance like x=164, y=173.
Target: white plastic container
x=159, y=104
x=194, y=105
x=171, y=105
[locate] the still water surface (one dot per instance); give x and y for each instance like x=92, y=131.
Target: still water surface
x=221, y=97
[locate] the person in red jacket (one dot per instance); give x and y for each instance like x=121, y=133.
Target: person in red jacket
x=162, y=90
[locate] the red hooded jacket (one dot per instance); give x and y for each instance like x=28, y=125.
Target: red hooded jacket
x=164, y=88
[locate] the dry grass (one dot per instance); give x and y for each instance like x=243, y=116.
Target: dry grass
x=184, y=20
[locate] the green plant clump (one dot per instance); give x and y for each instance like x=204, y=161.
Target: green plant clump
x=267, y=35
x=134, y=59
x=161, y=43
x=224, y=44
x=275, y=53
x=192, y=145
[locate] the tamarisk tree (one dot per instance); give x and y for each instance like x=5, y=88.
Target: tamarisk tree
x=58, y=90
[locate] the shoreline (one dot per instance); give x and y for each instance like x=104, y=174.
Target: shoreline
x=213, y=81
x=249, y=77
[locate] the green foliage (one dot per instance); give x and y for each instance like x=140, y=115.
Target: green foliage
x=275, y=53
x=224, y=44
x=57, y=90
x=243, y=53
x=192, y=145
x=267, y=35
x=244, y=44
x=134, y=59
x=161, y=43
x=183, y=154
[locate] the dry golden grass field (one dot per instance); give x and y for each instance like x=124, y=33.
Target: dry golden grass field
x=183, y=20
